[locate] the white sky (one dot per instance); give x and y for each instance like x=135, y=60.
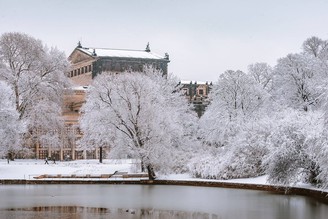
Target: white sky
x=203, y=38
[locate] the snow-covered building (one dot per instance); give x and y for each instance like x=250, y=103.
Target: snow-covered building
x=197, y=94
x=87, y=62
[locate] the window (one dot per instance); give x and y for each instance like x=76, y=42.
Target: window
x=79, y=155
x=117, y=67
x=82, y=70
x=67, y=145
x=43, y=154
x=185, y=91
x=201, y=92
x=90, y=68
x=78, y=72
x=85, y=69
x=75, y=72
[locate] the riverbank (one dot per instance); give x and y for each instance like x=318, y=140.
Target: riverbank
x=318, y=194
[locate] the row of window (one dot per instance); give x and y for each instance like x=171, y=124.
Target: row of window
x=79, y=71
x=119, y=67
x=67, y=154
x=73, y=129
x=200, y=92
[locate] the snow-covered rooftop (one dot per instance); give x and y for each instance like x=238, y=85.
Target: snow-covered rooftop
x=194, y=82
x=103, y=52
x=80, y=88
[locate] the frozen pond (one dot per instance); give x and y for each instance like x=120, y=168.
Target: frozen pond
x=149, y=201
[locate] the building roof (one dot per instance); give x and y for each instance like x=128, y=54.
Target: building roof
x=120, y=53
x=195, y=82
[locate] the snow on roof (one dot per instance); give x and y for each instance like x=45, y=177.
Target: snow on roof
x=103, y=52
x=194, y=82
x=80, y=88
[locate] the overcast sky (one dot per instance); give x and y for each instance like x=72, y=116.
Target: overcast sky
x=203, y=38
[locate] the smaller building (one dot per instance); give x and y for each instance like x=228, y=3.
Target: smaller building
x=197, y=94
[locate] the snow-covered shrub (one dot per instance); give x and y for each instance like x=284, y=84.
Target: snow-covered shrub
x=241, y=157
x=206, y=166
x=227, y=165
x=243, y=162
x=322, y=162
x=293, y=153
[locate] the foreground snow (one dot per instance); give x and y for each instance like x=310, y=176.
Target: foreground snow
x=27, y=169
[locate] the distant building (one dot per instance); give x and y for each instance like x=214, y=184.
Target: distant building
x=197, y=94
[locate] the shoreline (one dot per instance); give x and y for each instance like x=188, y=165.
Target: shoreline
x=284, y=190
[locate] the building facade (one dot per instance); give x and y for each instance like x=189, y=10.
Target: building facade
x=87, y=63
x=197, y=94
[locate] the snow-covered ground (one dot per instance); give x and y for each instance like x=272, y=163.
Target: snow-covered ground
x=261, y=180
x=27, y=169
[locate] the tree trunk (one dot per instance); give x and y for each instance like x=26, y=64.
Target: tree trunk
x=142, y=166
x=100, y=154
x=314, y=172
x=151, y=172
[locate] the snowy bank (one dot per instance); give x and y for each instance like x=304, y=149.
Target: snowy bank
x=28, y=169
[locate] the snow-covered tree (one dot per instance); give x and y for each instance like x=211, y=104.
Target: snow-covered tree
x=10, y=126
x=235, y=97
x=238, y=94
x=316, y=47
x=262, y=73
x=37, y=76
x=269, y=121
x=231, y=127
x=298, y=81
x=142, y=115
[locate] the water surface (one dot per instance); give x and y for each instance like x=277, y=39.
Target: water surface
x=152, y=201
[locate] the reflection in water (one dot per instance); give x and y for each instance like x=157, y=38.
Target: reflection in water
x=77, y=212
